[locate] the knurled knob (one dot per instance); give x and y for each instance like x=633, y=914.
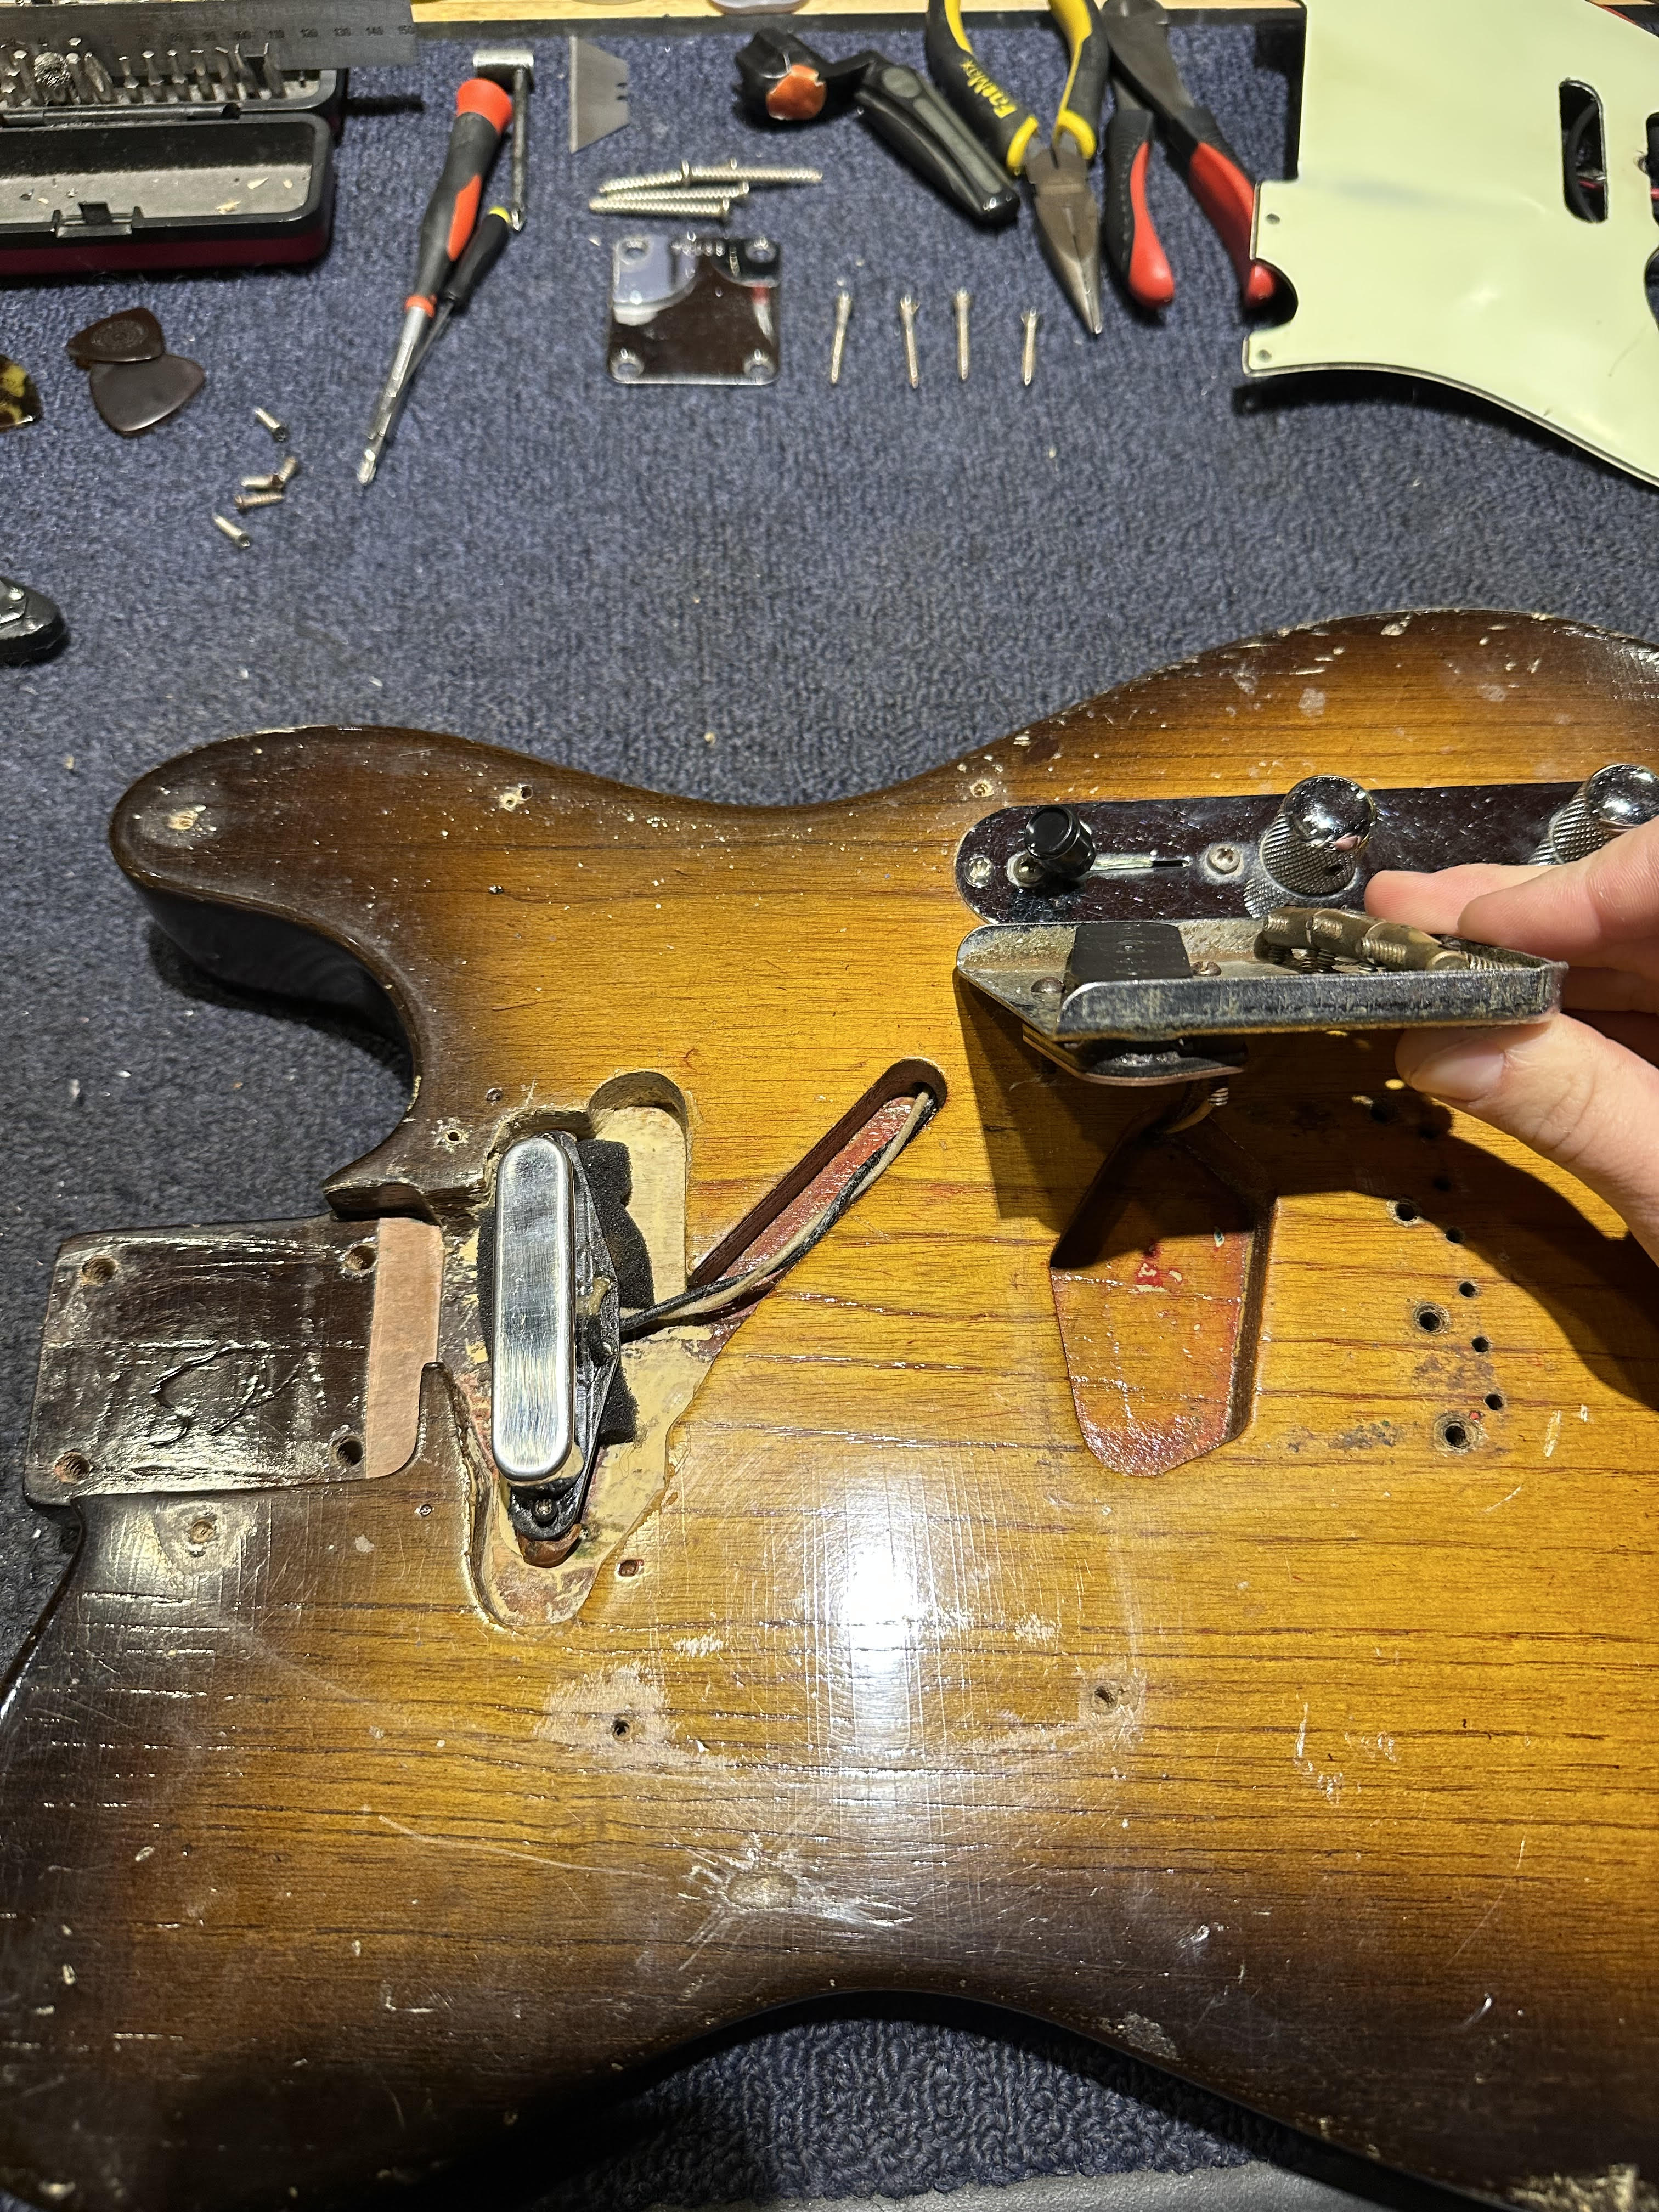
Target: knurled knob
x=1313, y=845
x=1618, y=797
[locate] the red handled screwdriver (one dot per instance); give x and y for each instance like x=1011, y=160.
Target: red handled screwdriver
x=483, y=112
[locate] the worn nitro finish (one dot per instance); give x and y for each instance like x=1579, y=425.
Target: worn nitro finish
x=1319, y=1767
x=1157, y=1290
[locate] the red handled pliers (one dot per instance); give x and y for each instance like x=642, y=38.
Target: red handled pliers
x=1149, y=95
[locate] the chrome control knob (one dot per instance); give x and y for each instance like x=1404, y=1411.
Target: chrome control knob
x=1615, y=799
x=1313, y=845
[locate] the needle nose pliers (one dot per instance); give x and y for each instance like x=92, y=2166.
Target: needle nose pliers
x=1124, y=43
x=1067, y=214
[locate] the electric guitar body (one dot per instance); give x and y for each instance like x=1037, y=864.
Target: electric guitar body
x=1183, y=1569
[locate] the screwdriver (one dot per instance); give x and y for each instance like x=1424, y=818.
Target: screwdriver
x=484, y=249
x=483, y=112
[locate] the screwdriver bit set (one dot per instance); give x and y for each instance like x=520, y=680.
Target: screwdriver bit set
x=168, y=160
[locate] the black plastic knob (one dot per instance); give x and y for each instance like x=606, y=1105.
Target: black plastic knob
x=30, y=626
x=1060, y=843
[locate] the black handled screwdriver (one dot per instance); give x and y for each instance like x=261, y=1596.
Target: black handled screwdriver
x=484, y=249
x=483, y=112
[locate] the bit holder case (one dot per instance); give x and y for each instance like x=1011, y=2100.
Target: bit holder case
x=185, y=183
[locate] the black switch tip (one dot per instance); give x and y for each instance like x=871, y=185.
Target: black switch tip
x=1060, y=841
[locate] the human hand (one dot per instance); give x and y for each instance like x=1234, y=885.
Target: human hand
x=1581, y=1089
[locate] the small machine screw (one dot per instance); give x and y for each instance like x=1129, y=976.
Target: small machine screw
x=245, y=502
x=1048, y=987
x=627, y=368
x=233, y=530
x=979, y=872
x=288, y=470
x=838, y=343
x=262, y=483
x=274, y=423
x=908, y=316
x=541, y=1511
x=961, y=302
x=1222, y=860
x=1028, y=352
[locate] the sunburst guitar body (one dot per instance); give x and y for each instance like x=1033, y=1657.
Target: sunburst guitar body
x=1181, y=1568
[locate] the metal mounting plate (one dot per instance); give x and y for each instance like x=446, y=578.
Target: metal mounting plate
x=694, y=309
x=1244, y=996
x=1431, y=826
x=212, y=1358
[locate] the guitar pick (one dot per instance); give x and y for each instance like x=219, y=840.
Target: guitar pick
x=133, y=396
x=20, y=402
x=133, y=334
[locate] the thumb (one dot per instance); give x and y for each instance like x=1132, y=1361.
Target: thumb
x=1573, y=1094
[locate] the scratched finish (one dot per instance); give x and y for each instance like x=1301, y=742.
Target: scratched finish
x=196, y=1358
x=1158, y=1286
x=1320, y=1768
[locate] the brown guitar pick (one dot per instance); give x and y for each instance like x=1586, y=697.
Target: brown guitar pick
x=133, y=334
x=133, y=396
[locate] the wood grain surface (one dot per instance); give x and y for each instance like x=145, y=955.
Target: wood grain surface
x=1318, y=1768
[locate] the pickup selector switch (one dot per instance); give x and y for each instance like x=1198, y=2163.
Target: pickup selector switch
x=1058, y=849
x=1311, y=850
x=1615, y=799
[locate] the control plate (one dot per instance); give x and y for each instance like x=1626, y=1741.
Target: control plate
x=1206, y=848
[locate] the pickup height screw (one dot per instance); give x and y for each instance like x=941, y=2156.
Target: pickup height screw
x=1028, y=352
x=1222, y=860
x=979, y=872
x=274, y=423
x=961, y=302
x=838, y=343
x=908, y=316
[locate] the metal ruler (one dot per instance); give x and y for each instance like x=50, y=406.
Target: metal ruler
x=303, y=35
